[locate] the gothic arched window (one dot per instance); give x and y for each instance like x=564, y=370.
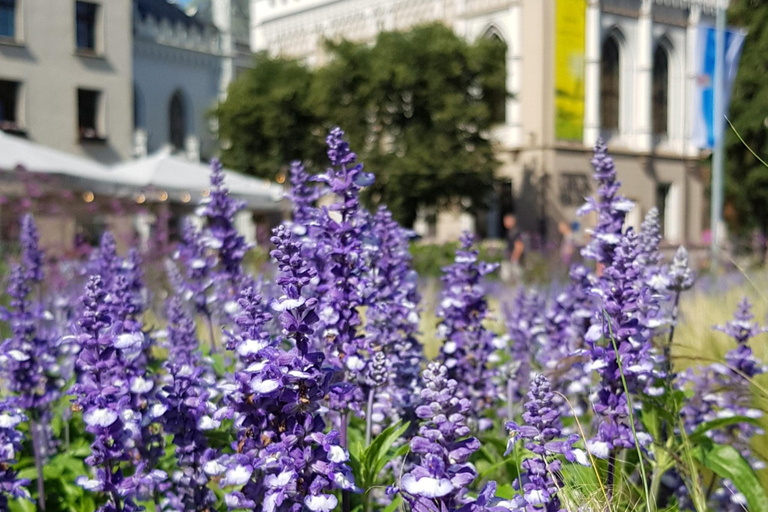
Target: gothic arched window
x=178, y=120
x=660, y=98
x=609, y=84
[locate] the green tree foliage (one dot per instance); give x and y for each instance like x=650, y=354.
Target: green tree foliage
x=266, y=122
x=417, y=106
x=746, y=177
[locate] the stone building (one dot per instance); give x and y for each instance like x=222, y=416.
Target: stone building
x=65, y=70
x=576, y=70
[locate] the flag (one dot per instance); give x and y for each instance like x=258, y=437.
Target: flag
x=704, y=108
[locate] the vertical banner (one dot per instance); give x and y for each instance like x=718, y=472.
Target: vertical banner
x=704, y=103
x=570, y=41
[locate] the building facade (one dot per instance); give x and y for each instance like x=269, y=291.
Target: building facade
x=63, y=69
x=576, y=70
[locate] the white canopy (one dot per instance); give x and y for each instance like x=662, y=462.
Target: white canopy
x=17, y=152
x=177, y=177
x=162, y=174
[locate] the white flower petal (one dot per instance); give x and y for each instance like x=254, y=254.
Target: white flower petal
x=100, y=417
x=426, y=487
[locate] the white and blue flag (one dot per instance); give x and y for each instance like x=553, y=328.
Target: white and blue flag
x=704, y=107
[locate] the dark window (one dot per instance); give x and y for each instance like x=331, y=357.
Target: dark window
x=609, y=85
x=178, y=120
x=9, y=103
x=138, y=108
x=662, y=194
x=574, y=187
x=88, y=113
x=86, y=25
x=660, y=90
x=497, y=93
x=8, y=18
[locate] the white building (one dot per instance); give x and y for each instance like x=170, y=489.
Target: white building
x=576, y=70
x=65, y=70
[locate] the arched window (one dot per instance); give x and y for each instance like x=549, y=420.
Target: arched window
x=660, y=96
x=609, y=85
x=138, y=108
x=496, y=94
x=178, y=120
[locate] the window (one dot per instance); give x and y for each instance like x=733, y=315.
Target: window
x=138, y=108
x=178, y=121
x=8, y=18
x=660, y=90
x=662, y=197
x=85, y=14
x=497, y=99
x=9, y=106
x=609, y=85
x=88, y=114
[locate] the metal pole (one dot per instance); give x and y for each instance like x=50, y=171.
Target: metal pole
x=718, y=87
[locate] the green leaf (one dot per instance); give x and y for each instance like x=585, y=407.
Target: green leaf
x=728, y=463
x=376, y=456
x=698, y=435
x=505, y=492
x=396, y=502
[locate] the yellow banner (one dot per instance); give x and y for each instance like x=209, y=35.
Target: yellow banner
x=570, y=38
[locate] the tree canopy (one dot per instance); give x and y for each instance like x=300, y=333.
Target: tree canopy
x=417, y=107
x=746, y=176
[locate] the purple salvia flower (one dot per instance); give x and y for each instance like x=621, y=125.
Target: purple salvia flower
x=188, y=416
x=32, y=256
x=526, y=327
x=303, y=195
x=680, y=276
x=627, y=340
x=338, y=237
x=440, y=479
x=219, y=210
x=392, y=319
x=11, y=486
x=649, y=256
x=723, y=391
x=541, y=433
x=610, y=206
x=197, y=283
x=468, y=343
x=103, y=400
x=284, y=460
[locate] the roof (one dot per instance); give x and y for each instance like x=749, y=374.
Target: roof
x=19, y=153
x=161, y=173
x=165, y=10
x=179, y=177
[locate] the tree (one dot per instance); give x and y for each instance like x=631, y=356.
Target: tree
x=266, y=121
x=746, y=177
x=417, y=106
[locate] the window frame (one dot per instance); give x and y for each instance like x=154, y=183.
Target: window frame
x=659, y=117
x=97, y=132
x=97, y=48
x=17, y=126
x=15, y=36
x=615, y=115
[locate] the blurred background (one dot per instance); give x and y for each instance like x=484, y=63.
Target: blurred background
x=475, y=115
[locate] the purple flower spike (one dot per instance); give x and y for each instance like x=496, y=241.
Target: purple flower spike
x=468, y=344
x=610, y=206
x=11, y=416
x=284, y=460
x=541, y=434
x=220, y=209
x=441, y=478
x=188, y=416
x=339, y=245
x=102, y=396
x=32, y=256
x=303, y=195
x=681, y=277
x=621, y=294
